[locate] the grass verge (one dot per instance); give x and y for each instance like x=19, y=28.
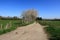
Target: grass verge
x=15, y=24
x=53, y=29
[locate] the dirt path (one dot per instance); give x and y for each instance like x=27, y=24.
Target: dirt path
x=31, y=32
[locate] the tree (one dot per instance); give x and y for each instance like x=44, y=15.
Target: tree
x=29, y=15
x=15, y=17
x=0, y=17
x=39, y=18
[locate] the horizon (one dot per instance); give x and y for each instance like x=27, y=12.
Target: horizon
x=48, y=9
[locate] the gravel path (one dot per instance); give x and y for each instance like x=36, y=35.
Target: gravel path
x=31, y=32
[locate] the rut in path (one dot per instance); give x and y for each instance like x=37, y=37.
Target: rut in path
x=30, y=32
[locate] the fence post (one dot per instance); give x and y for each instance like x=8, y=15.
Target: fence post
x=8, y=25
x=1, y=26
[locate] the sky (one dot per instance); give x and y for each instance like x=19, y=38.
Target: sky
x=45, y=8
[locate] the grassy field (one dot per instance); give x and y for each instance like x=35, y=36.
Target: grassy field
x=12, y=25
x=52, y=29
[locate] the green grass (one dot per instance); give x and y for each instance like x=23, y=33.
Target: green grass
x=14, y=25
x=53, y=23
x=53, y=29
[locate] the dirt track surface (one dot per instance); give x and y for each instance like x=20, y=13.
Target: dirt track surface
x=31, y=32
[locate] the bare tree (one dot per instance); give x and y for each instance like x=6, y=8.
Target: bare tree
x=29, y=15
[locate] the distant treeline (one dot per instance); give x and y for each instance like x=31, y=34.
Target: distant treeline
x=52, y=19
x=40, y=18
x=9, y=18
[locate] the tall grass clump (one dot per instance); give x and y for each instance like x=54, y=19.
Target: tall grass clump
x=54, y=33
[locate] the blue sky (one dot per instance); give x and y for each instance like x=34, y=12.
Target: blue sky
x=46, y=8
